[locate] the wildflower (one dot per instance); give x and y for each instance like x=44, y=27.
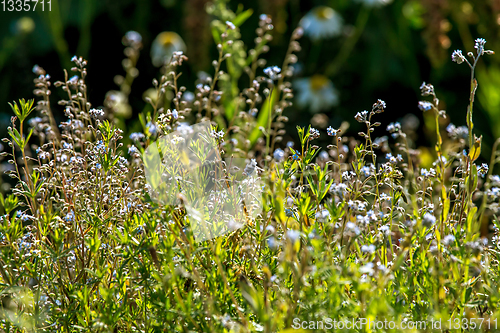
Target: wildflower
x=461, y=132
x=380, y=142
x=272, y=243
x=152, y=129
x=175, y=114
x=368, y=248
x=339, y=189
x=457, y=57
x=379, y=106
x=494, y=192
x=188, y=96
x=37, y=70
x=394, y=128
x=273, y=72
x=290, y=144
x=322, y=22
x=250, y=167
x=428, y=173
x=351, y=227
x=230, y=25
x=101, y=147
x=367, y=269
x=279, y=154
x=288, y=212
x=482, y=170
x=322, y=216
x=393, y=159
x=495, y=179
x=313, y=133
x=384, y=197
x=76, y=160
x=133, y=150
x=479, y=45
x=296, y=156
x=164, y=46
x=66, y=145
x=73, y=80
x=385, y=230
x=133, y=37
x=219, y=136
x=361, y=116
x=448, y=239
x=348, y=175
x=428, y=219
x=70, y=216
x=368, y=170
x=23, y=216
x=426, y=89
x=425, y=106
x=317, y=93
x=33, y=122
x=362, y=219
x=42, y=154
x=96, y=113
x=136, y=136
x=323, y=155
x=293, y=235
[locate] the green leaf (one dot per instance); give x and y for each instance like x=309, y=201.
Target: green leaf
x=475, y=151
x=215, y=34
x=242, y=17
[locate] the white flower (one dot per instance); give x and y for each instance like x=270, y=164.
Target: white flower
x=136, y=136
x=448, y=239
x=375, y=3
x=96, y=113
x=428, y=219
x=273, y=72
x=322, y=22
x=250, y=167
x=457, y=57
x=316, y=92
x=479, y=45
x=322, y=216
x=425, y=106
x=293, y=235
x=133, y=150
x=279, y=154
x=133, y=37
x=385, y=229
x=164, y=46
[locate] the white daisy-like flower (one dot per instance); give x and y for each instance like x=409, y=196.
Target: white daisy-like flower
x=316, y=92
x=322, y=22
x=375, y=3
x=164, y=46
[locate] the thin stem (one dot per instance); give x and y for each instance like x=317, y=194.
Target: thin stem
x=350, y=42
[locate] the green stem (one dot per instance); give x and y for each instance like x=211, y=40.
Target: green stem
x=350, y=42
x=56, y=28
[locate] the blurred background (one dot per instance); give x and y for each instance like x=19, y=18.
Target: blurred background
x=353, y=52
